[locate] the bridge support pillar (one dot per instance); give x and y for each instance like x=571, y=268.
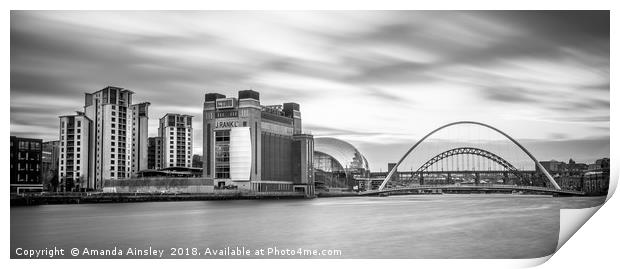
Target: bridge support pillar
x=477, y=179
x=505, y=178
x=421, y=179
x=449, y=179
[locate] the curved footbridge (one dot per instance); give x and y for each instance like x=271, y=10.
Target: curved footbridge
x=473, y=189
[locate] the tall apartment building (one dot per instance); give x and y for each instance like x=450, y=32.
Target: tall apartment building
x=155, y=153
x=139, y=136
x=175, y=131
x=110, y=111
x=75, y=160
x=107, y=141
x=25, y=164
x=250, y=146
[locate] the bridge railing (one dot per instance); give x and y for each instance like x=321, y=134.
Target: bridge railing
x=496, y=186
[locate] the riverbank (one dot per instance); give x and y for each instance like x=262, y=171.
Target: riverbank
x=93, y=198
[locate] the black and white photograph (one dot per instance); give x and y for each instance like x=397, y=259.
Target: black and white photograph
x=401, y=134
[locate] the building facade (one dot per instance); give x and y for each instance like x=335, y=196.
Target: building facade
x=75, y=159
x=250, y=146
x=155, y=153
x=139, y=136
x=197, y=161
x=176, y=133
x=337, y=164
x=26, y=164
x=50, y=161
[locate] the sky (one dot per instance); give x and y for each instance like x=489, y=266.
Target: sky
x=379, y=80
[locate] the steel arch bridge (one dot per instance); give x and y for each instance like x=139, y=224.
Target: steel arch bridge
x=538, y=165
x=470, y=151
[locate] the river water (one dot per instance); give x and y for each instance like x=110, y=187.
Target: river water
x=415, y=226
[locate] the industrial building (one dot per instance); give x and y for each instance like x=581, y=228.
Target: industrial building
x=251, y=146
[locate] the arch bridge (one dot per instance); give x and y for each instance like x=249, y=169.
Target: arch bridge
x=501, y=166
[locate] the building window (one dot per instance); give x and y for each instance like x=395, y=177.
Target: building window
x=222, y=157
x=23, y=145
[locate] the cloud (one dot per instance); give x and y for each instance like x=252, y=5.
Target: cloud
x=378, y=78
x=511, y=95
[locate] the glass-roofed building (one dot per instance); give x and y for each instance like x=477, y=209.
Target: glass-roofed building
x=336, y=164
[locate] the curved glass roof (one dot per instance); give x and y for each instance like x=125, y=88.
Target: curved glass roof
x=343, y=152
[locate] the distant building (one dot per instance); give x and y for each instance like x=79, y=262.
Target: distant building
x=154, y=153
x=75, y=160
x=250, y=146
x=396, y=175
x=176, y=135
x=26, y=162
x=576, y=168
x=593, y=179
x=50, y=161
x=599, y=164
x=596, y=183
x=596, y=178
x=197, y=161
x=553, y=166
x=572, y=182
x=139, y=136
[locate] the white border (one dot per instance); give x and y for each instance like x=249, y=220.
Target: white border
x=593, y=246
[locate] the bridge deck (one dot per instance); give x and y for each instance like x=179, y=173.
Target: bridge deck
x=478, y=187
